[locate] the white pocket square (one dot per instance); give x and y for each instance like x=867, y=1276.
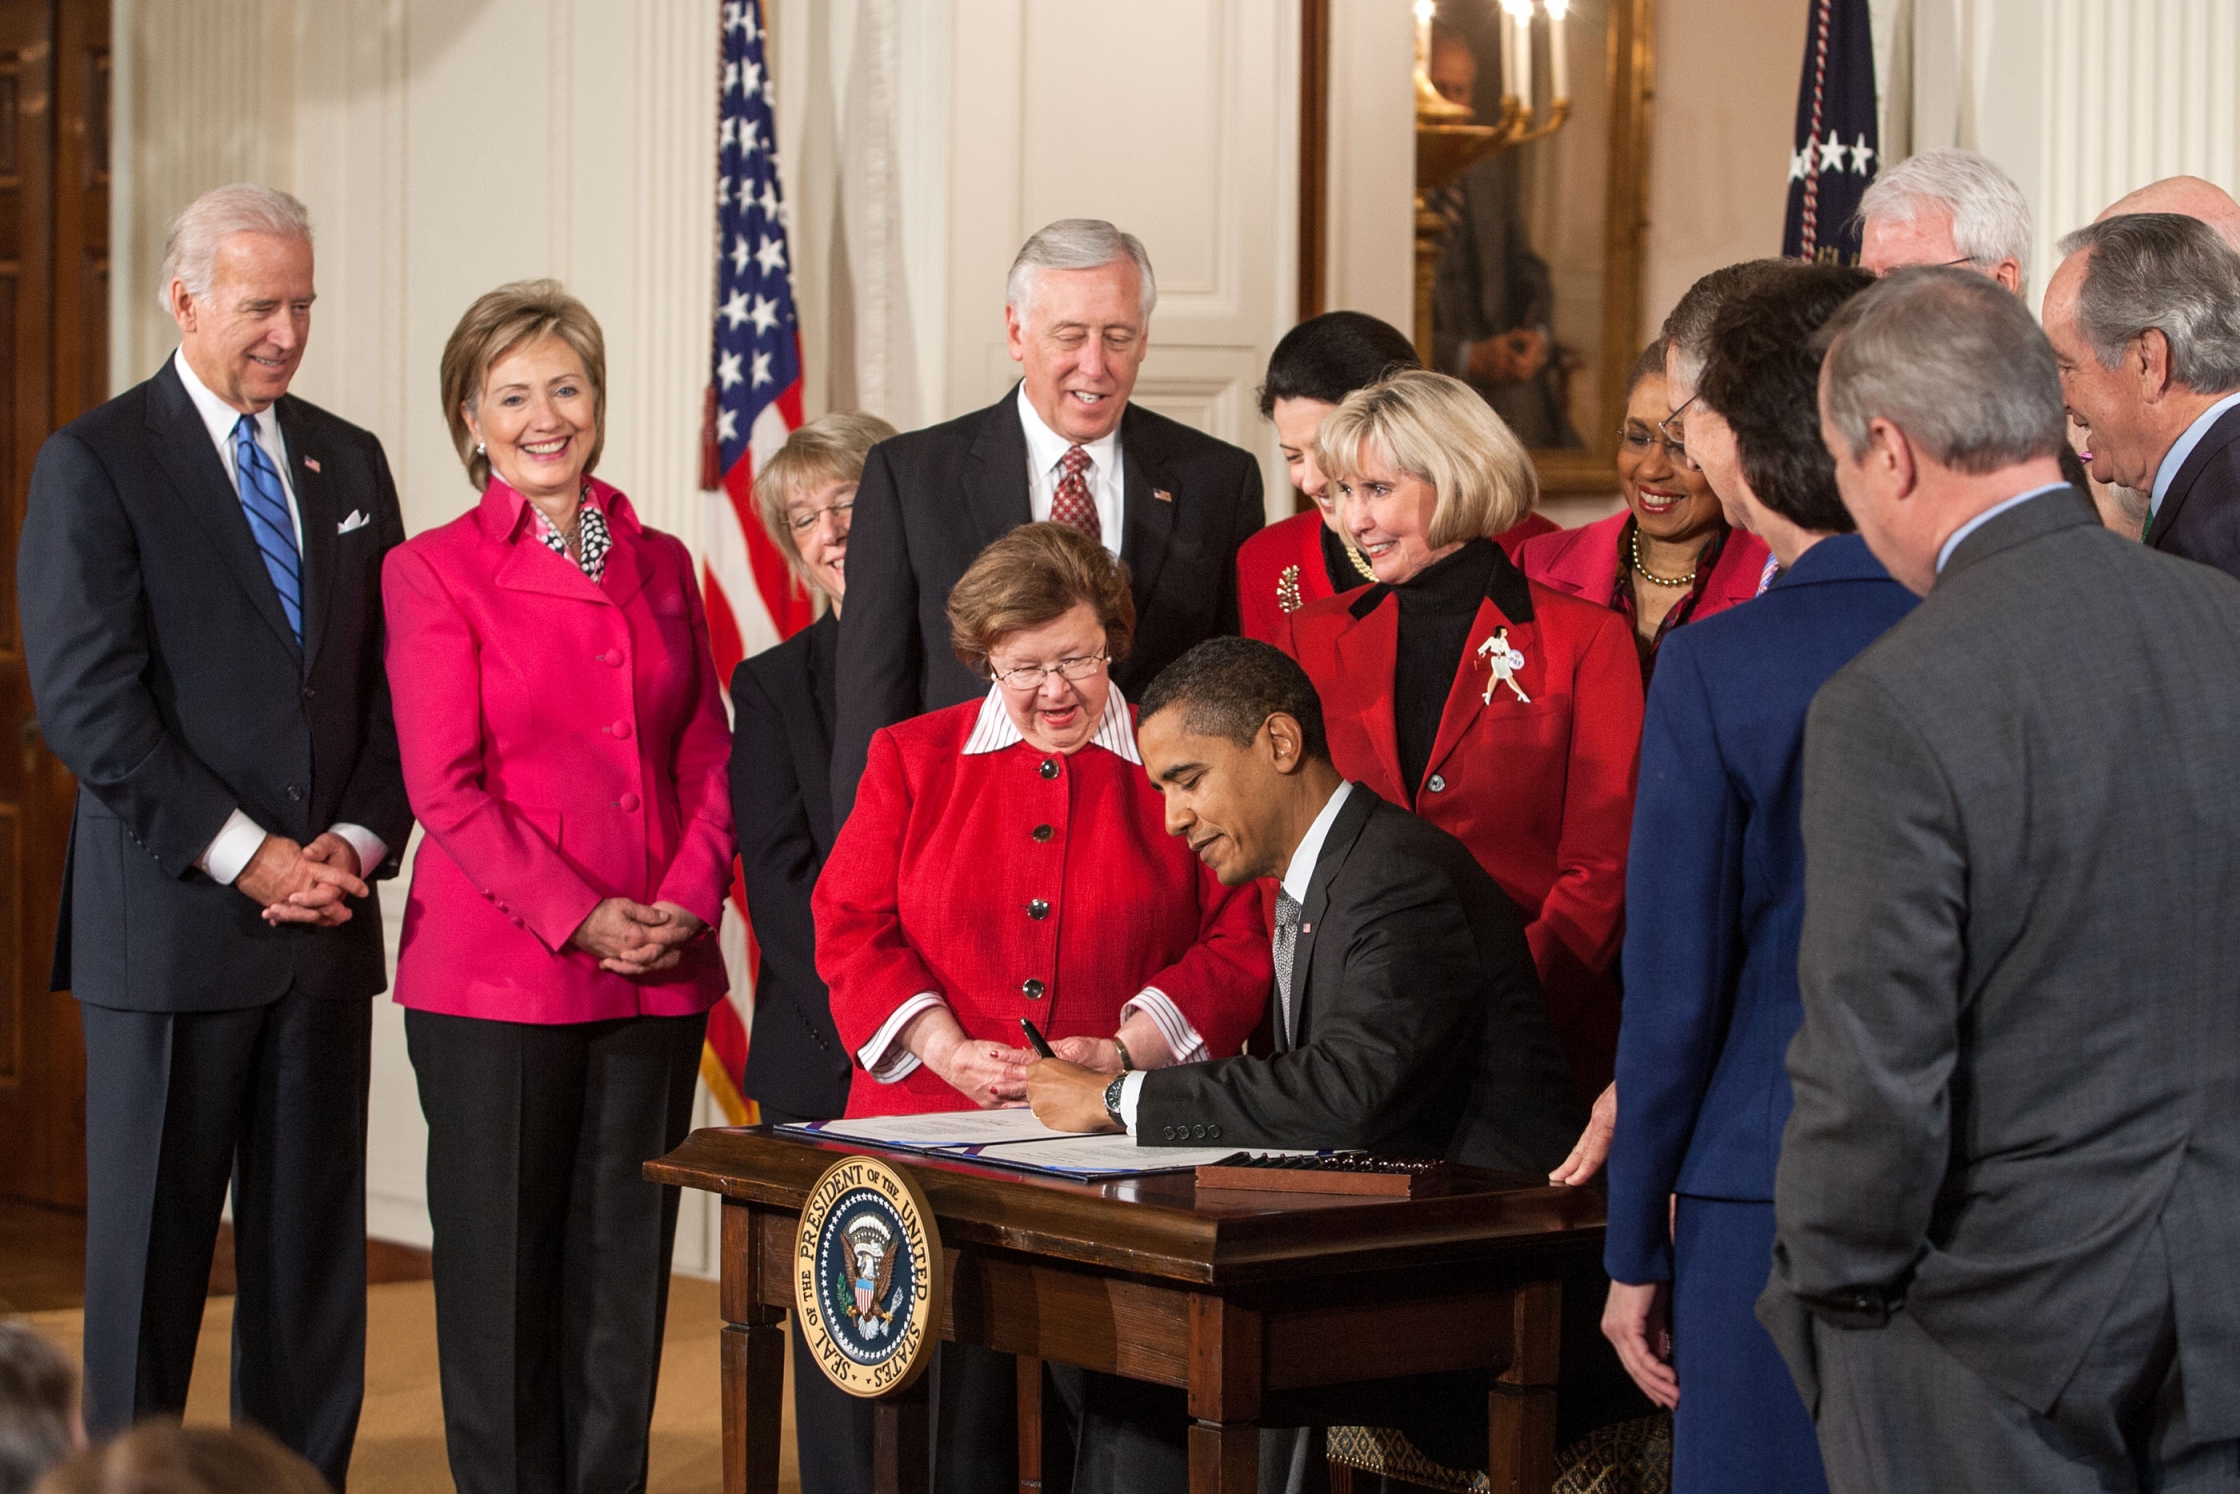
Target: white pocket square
x=357, y=520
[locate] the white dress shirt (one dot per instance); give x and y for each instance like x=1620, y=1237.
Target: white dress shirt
x=226, y=856
x=1297, y=878
x=884, y=1057
x=1046, y=449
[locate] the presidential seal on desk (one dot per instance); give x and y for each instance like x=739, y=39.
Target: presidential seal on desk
x=867, y=1276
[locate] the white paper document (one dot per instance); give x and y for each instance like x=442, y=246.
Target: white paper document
x=1103, y=1156
x=941, y=1129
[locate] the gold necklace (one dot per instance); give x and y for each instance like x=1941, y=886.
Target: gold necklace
x=1651, y=576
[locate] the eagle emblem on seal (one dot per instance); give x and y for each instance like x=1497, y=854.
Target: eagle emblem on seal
x=871, y=1253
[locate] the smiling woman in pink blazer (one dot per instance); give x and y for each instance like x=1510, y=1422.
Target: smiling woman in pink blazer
x=565, y=749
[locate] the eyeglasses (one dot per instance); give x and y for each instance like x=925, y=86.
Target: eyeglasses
x=1640, y=440
x=802, y=523
x=1676, y=436
x=1031, y=676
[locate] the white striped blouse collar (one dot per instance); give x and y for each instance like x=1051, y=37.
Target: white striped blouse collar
x=994, y=730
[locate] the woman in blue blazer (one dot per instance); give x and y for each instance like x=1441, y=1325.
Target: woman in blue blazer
x=1715, y=900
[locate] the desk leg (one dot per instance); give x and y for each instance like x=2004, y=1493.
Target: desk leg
x=900, y=1459
x=1030, y=1425
x=1225, y=1379
x=754, y=1388
x=1224, y=1457
x=1521, y=1409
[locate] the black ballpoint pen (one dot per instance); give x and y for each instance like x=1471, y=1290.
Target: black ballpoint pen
x=1035, y=1037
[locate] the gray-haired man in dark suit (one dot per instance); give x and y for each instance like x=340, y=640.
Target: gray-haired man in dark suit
x=2008, y=1204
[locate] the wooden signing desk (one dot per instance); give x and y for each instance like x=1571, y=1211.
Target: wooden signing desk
x=1263, y=1306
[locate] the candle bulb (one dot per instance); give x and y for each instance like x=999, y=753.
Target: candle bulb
x=1524, y=54
x=1508, y=55
x=1558, y=54
x=1424, y=9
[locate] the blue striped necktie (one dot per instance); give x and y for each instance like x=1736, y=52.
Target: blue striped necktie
x=266, y=504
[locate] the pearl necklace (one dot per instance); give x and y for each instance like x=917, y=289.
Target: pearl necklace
x=1651, y=576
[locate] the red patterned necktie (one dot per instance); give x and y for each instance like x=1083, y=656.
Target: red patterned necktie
x=1071, y=504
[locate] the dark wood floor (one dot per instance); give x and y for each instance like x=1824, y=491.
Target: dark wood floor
x=43, y=1259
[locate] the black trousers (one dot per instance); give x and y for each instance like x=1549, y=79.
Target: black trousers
x=273, y=1099
x=551, y=1250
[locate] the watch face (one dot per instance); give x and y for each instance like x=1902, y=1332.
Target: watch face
x=1112, y=1096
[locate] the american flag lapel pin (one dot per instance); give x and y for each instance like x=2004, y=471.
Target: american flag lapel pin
x=311, y=462
x=1162, y=495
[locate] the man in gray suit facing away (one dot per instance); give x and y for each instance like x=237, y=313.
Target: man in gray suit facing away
x=2008, y=1206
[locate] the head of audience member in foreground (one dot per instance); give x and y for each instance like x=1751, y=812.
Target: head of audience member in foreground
x=162, y=1457
x=1231, y=733
x=1939, y=399
x=1422, y=466
x=2144, y=316
x=39, y=1421
x=1316, y=365
x=2187, y=195
x=1947, y=207
x=807, y=492
x=1045, y=612
x=1687, y=327
x=1077, y=310
x=1755, y=427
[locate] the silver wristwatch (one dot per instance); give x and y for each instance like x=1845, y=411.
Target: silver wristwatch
x=1112, y=1100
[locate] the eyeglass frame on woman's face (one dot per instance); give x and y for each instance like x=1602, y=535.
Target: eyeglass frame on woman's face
x=809, y=518
x=1028, y=678
x=1676, y=442
x=1653, y=438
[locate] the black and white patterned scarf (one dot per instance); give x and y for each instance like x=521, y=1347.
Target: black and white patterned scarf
x=592, y=538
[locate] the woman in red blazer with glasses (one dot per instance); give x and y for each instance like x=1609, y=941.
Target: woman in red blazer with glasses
x=1307, y=557
x=564, y=748
x=1501, y=710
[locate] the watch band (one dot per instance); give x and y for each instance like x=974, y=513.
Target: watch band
x=1112, y=1100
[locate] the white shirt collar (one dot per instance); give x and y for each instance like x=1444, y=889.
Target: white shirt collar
x=1952, y=541
x=994, y=729
x=1045, y=447
x=2182, y=448
x=220, y=418
x=1300, y=873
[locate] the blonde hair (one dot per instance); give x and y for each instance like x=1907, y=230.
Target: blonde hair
x=830, y=448
x=499, y=321
x=1036, y=574
x=1442, y=431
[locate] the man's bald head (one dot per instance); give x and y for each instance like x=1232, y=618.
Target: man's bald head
x=2187, y=195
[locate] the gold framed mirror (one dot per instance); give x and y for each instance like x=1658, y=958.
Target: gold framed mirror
x=1530, y=258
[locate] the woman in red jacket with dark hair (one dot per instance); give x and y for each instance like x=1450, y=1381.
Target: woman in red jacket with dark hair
x=1670, y=557
x=1501, y=710
x=1307, y=557
x=1008, y=858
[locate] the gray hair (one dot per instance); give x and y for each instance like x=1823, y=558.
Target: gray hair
x=1075, y=244
x=1687, y=328
x=1953, y=359
x=190, y=249
x=2167, y=273
x=1990, y=216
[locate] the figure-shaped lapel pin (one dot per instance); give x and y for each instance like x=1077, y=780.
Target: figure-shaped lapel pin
x=1502, y=658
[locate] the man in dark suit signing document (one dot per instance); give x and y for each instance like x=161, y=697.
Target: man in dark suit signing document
x=200, y=581
x=2007, y=1210
x=1066, y=445
x=1407, y=1016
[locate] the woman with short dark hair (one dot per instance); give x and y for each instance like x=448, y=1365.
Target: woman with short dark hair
x=1715, y=903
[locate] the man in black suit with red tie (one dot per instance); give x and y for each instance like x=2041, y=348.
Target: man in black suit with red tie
x=200, y=583
x=1066, y=444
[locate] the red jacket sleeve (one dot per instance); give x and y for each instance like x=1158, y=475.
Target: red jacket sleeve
x=1586, y=906
x=1222, y=981
x=435, y=681
x=866, y=962
x=699, y=874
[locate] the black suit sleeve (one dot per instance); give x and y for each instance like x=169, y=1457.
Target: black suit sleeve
x=1252, y=513
x=777, y=851
x=879, y=644
x=85, y=631
x=374, y=795
x=1405, y=1016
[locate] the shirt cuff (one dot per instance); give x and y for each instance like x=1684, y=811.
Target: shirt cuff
x=884, y=1058
x=227, y=856
x=1182, y=1039
x=372, y=849
x=1131, y=1090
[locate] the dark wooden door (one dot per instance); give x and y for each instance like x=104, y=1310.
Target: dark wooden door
x=54, y=365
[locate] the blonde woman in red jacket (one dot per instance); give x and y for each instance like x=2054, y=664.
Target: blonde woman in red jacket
x=565, y=749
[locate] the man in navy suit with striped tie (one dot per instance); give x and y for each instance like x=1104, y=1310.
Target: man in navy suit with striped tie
x=199, y=578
